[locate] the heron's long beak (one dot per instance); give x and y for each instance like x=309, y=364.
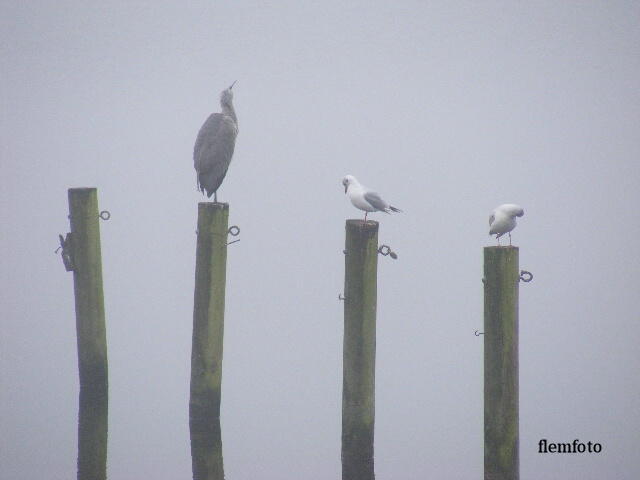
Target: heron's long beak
x=234, y=82
x=345, y=188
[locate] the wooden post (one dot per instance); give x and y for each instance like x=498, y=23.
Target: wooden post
x=501, y=431
x=91, y=333
x=359, y=350
x=207, y=343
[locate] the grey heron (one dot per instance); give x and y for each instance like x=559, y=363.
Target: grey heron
x=364, y=199
x=214, y=146
x=503, y=220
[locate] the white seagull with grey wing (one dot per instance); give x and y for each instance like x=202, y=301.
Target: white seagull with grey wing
x=503, y=220
x=214, y=146
x=364, y=199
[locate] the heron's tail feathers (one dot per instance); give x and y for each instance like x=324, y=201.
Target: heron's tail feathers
x=394, y=209
x=207, y=184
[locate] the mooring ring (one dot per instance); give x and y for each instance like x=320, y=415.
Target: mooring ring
x=526, y=276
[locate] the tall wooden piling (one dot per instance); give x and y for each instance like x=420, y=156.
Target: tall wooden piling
x=359, y=349
x=501, y=430
x=91, y=333
x=207, y=343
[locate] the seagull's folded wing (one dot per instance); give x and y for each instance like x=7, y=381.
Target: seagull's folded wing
x=376, y=201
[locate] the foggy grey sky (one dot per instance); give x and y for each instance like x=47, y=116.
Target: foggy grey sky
x=446, y=108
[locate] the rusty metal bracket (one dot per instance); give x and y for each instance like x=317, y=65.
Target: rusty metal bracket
x=66, y=251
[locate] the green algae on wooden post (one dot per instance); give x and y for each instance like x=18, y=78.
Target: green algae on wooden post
x=207, y=342
x=91, y=333
x=359, y=349
x=92, y=435
x=501, y=431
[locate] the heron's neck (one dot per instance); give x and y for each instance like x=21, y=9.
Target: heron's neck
x=227, y=109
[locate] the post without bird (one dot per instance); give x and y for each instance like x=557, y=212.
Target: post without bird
x=501, y=429
x=359, y=349
x=207, y=343
x=91, y=333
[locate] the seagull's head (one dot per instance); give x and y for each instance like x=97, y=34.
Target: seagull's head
x=226, y=97
x=348, y=180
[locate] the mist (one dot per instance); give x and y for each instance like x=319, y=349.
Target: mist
x=447, y=109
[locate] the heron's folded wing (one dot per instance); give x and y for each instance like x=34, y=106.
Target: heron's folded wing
x=215, y=144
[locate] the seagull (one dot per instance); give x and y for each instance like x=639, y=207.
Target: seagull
x=364, y=199
x=214, y=146
x=503, y=220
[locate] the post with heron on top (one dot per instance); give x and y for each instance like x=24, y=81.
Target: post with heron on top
x=212, y=156
x=207, y=342
x=501, y=403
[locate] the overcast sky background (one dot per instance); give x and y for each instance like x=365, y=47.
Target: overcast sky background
x=447, y=108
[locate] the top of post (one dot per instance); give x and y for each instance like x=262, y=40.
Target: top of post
x=213, y=206
x=82, y=190
x=80, y=193
x=361, y=228
x=501, y=248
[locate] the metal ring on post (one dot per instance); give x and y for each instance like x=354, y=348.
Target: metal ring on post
x=105, y=215
x=385, y=250
x=477, y=333
x=526, y=276
x=234, y=231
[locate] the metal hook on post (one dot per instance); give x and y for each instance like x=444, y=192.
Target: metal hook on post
x=105, y=215
x=525, y=276
x=385, y=250
x=477, y=333
x=234, y=231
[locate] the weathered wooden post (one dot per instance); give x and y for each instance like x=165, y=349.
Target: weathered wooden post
x=84, y=251
x=501, y=430
x=359, y=349
x=207, y=343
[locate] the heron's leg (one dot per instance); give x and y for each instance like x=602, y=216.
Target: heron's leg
x=365, y=217
x=215, y=197
x=509, y=238
x=498, y=238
